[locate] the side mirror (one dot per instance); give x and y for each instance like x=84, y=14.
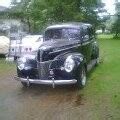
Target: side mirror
x=86, y=37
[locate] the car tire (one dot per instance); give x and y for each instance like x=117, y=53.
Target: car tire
x=97, y=61
x=97, y=58
x=24, y=84
x=81, y=81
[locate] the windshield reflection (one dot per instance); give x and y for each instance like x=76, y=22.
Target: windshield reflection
x=66, y=33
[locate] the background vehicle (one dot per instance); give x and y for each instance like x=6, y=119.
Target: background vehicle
x=27, y=45
x=99, y=31
x=14, y=47
x=68, y=52
x=31, y=43
x=4, y=45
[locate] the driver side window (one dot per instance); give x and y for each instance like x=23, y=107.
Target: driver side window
x=85, y=35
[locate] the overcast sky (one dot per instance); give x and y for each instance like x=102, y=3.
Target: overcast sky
x=109, y=4
x=5, y=3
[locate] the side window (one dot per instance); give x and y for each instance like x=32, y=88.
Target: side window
x=71, y=34
x=85, y=34
x=91, y=32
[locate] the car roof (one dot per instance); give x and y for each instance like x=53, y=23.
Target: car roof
x=76, y=25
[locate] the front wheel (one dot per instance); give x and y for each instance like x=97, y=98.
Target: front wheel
x=25, y=84
x=97, y=61
x=81, y=81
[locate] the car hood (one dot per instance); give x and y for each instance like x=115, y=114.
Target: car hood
x=58, y=43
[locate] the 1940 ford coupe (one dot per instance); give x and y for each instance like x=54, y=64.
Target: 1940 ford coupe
x=68, y=52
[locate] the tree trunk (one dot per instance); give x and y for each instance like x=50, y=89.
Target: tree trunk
x=29, y=25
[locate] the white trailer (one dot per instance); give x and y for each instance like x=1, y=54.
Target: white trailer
x=4, y=45
x=28, y=44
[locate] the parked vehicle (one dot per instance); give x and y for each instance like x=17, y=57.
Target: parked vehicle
x=31, y=43
x=15, y=50
x=107, y=31
x=67, y=53
x=99, y=31
x=4, y=45
x=27, y=45
x=14, y=47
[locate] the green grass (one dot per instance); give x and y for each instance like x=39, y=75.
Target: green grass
x=103, y=88
x=6, y=66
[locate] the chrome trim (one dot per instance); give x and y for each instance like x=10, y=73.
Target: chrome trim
x=46, y=61
x=74, y=46
x=87, y=42
x=52, y=82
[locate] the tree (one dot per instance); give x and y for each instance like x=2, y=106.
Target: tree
x=116, y=24
x=38, y=13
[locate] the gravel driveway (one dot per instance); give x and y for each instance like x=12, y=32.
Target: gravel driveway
x=39, y=102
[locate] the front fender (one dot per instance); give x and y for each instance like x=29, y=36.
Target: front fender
x=58, y=62
x=58, y=65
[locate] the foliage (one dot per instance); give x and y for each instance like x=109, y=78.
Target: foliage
x=38, y=13
x=116, y=24
x=116, y=28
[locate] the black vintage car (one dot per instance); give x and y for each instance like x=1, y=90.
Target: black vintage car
x=69, y=50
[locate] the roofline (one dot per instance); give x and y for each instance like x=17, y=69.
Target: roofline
x=68, y=25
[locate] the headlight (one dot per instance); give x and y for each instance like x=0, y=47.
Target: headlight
x=21, y=66
x=21, y=63
x=69, y=64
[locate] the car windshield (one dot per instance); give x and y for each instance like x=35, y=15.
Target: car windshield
x=64, y=33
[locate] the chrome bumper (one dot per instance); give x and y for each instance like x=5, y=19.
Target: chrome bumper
x=46, y=82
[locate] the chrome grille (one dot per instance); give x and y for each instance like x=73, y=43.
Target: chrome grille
x=43, y=68
x=39, y=55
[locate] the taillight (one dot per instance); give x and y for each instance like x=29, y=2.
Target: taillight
x=30, y=49
x=26, y=49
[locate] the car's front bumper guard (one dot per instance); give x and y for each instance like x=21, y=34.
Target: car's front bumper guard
x=52, y=82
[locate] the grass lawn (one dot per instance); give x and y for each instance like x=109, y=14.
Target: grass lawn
x=6, y=67
x=103, y=89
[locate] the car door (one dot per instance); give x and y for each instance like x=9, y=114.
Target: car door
x=86, y=43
